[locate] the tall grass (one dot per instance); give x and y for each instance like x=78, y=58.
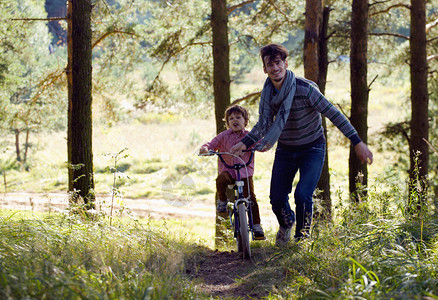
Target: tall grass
x=67, y=257
x=373, y=250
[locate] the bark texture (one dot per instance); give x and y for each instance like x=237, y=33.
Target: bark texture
x=419, y=99
x=80, y=116
x=221, y=83
x=324, y=181
x=358, y=172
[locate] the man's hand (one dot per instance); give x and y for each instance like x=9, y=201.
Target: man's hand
x=363, y=153
x=237, y=149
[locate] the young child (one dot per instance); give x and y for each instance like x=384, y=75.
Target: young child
x=236, y=118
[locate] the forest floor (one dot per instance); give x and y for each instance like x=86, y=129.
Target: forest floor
x=218, y=274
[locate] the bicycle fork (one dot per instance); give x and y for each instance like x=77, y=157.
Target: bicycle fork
x=239, y=199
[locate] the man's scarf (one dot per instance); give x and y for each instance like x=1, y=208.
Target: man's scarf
x=273, y=112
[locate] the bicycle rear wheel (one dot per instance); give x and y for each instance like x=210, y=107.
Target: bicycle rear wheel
x=243, y=237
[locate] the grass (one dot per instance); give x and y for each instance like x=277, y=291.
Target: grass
x=366, y=255
x=66, y=257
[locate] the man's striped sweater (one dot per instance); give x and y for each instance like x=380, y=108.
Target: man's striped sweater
x=303, y=126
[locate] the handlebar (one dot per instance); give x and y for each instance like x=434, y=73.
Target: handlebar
x=235, y=166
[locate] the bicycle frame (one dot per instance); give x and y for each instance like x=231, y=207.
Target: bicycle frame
x=239, y=197
x=240, y=234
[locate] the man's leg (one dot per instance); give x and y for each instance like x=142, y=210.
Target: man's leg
x=310, y=163
x=283, y=173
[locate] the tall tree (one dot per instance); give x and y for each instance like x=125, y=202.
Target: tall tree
x=315, y=68
x=311, y=38
x=80, y=118
x=419, y=99
x=324, y=181
x=221, y=74
x=221, y=61
x=359, y=89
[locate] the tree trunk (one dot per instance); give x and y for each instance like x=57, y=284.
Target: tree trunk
x=311, y=39
x=70, y=95
x=324, y=181
x=26, y=146
x=315, y=69
x=419, y=102
x=17, y=144
x=221, y=61
x=359, y=92
x=80, y=102
x=221, y=80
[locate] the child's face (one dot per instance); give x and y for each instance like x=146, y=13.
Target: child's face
x=236, y=122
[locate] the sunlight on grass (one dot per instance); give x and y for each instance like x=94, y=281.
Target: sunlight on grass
x=65, y=257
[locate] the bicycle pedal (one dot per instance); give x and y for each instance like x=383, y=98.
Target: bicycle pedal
x=260, y=238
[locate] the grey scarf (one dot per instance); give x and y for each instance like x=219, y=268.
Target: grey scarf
x=273, y=113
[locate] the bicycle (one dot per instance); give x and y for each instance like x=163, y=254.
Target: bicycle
x=240, y=215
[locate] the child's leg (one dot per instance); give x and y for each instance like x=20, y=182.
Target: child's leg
x=222, y=181
x=255, y=207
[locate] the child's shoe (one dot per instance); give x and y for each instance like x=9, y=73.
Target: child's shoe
x=221, y=206
x=258, y=232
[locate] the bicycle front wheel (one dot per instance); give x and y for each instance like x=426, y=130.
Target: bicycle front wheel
x=243, y=237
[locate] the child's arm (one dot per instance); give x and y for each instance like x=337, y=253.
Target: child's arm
x=214, y=144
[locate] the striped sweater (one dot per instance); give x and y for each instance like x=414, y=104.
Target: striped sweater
x=303, y=126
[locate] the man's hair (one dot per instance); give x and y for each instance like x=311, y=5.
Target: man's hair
x=237, y=109
x=272, y=51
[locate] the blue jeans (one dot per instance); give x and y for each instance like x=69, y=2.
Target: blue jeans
x=287, y=162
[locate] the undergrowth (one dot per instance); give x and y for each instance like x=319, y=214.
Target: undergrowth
x=63, y=256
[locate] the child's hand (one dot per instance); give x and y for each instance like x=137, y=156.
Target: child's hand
x=203, y=149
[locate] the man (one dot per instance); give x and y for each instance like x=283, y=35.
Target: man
x=290, y=112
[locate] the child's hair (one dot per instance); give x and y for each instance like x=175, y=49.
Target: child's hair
x=237, y=109
x=272, y=51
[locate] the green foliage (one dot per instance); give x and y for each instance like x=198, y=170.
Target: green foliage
x=27, y=66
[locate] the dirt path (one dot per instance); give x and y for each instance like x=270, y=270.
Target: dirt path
x=221, y=273
x=155, y=208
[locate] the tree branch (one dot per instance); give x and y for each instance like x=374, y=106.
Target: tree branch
x=398, y=128
x=431, y=25
x=372, y=81
x=379, y=2
x=432, y=57
x=172, y=54
x=246, y=97
x=430, y=145
x=109, y=33
x=234, y=7
x=39, y=19
x=388, y=9
x=390, y=34
x=46, y=82
x=280, y=11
